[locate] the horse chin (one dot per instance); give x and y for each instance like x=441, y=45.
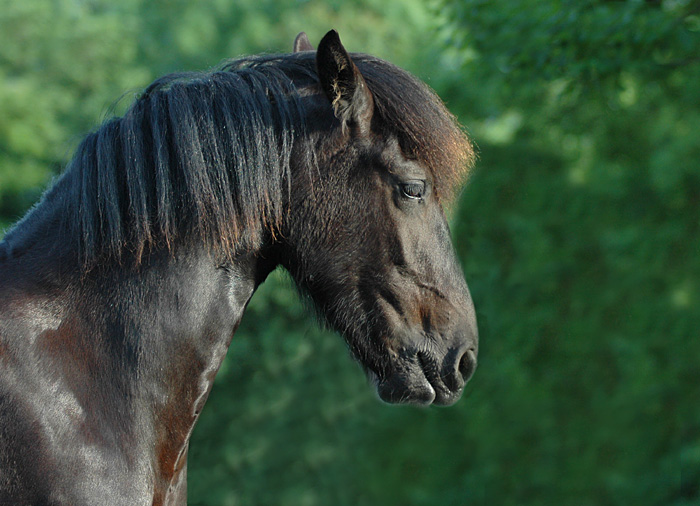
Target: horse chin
x=412, y=386
x=402, y=390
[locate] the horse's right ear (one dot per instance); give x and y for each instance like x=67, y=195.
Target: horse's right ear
x=343, y=84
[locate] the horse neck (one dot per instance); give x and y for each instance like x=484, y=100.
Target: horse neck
x=177, y=317
x=138, y=347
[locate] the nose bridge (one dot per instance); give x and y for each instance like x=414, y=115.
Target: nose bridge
x=433, y=285
x=438, y=305
x=447, y=277
x=458, y=330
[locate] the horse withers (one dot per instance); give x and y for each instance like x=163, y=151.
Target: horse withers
x=121, y=290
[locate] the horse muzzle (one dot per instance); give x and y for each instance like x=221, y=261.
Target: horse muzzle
x=422, y=378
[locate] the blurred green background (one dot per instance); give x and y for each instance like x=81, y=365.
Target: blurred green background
x=579, y=234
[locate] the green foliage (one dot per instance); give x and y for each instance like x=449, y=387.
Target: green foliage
x=578, y=233
x=586, y=42
x=61, y=63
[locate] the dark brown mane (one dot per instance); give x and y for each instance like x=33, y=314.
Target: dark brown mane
x=426, y=129
x=210, y=152
x=407, y=107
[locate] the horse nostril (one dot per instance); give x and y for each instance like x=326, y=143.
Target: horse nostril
x=461, y=370
x=467, y=364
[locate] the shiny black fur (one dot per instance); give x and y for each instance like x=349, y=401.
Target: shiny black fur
x=121, y=290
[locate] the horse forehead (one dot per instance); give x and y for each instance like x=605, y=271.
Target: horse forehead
x=393, y=155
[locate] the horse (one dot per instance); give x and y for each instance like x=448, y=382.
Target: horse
x=120, y=291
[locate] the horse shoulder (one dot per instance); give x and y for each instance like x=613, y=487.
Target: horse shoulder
x=24, y=475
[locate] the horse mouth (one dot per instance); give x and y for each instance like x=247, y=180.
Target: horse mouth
x=419, y=381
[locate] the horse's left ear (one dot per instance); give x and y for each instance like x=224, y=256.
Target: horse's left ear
x=301, y=43
x=344, y=85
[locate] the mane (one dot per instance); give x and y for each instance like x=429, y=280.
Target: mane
x=426, y=130
x=407, y=108
x=209, y=153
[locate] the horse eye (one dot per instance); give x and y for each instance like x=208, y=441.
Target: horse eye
x=413, y=190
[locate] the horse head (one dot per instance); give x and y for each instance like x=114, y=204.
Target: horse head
x=367, y=239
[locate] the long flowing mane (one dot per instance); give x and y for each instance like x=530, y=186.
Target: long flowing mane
x=209, y=153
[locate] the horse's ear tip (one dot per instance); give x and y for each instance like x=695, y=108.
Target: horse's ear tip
x=331, y=36
x=331, y=44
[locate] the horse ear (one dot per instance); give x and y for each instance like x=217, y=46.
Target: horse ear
x=301, y=43
x=344, y=85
